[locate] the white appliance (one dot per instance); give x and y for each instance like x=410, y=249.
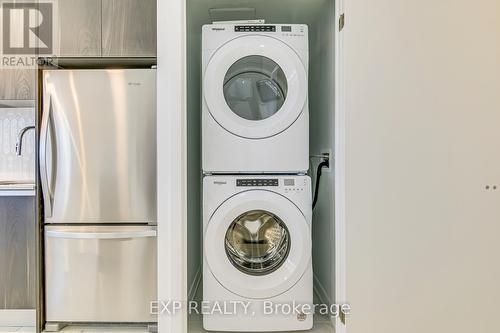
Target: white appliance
x=255, y=113
x=98, y=178
x=257, y=249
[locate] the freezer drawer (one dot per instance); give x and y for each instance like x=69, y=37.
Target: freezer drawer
x=100, y=273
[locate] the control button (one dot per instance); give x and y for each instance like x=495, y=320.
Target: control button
x=257, y=182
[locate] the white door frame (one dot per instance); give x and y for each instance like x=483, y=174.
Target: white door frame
x=340, y=167
x=171, y=156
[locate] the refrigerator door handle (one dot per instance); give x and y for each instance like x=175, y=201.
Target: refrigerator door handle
x=100, y=235
x=44, y=176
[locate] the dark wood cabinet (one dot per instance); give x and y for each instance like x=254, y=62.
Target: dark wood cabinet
x=17, y=252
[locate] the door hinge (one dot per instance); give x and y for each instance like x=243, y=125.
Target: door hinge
x=341, y=22
x=342, y=317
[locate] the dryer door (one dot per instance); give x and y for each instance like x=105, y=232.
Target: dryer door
x=255, y=86
x=257, y=244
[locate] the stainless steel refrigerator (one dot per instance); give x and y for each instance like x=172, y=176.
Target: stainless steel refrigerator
x=98, y=176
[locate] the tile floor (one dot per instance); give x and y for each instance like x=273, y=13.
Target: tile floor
x=321, y=325
x=17, y=329
x=104, y=329
x=80, y=329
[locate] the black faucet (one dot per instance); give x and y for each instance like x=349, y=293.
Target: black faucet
x=19, y=143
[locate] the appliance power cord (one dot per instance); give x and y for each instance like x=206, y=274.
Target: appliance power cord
x=324, y=164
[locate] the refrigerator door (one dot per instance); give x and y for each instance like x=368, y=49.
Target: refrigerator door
x=98, y=146
x=100, y=273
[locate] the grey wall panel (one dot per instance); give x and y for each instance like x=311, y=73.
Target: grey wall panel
x=322, y=137
x=129, y=27
x=17, y=252
x=17, y=84
x=194, y=204
x=79, y=28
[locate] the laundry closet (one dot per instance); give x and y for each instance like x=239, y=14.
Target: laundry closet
x=403, y=98
x=318, y=18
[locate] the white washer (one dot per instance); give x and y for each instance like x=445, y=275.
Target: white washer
x=257, y=250
x=255, y=113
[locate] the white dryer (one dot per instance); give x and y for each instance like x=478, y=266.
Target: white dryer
x=257, y=251
x=255, y=114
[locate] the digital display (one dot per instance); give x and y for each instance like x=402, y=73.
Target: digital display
x=286, y=28
x=289, y=182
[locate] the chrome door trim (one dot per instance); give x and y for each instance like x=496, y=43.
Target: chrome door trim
x=100, y=235
x=44, y=176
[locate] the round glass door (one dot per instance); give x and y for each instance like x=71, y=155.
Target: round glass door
x=255, y=87
x=257, y=242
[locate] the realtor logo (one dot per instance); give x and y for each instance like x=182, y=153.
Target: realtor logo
x=27, y=28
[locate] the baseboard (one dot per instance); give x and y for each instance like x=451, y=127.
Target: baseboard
x=17, y=317
x=319, y=290
x=193, y=288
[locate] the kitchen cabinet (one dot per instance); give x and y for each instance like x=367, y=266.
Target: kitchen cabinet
x=17, y=84
x=129, y=28
x=109, y=28
x=17, y=253
x=80, y=28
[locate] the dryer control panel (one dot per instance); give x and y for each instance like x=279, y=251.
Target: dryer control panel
x=288, y=185
x=285, y=30
x=294, y=185
x=256, y=182
x=216, y=35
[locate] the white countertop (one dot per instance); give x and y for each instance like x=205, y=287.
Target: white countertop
x=17, y=189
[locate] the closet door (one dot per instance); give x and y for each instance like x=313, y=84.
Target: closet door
x=419, y=112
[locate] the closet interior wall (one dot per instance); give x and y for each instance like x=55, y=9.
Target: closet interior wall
x=319, y=15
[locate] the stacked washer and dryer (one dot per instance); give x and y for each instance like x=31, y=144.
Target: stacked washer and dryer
x=256, y=195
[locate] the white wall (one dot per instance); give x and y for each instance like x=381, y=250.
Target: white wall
x=423, y=110
x=171, y=156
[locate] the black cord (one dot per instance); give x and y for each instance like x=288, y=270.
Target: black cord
x=323, y=164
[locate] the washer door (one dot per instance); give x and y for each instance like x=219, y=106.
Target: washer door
x=257, y=244
x=255, y=86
